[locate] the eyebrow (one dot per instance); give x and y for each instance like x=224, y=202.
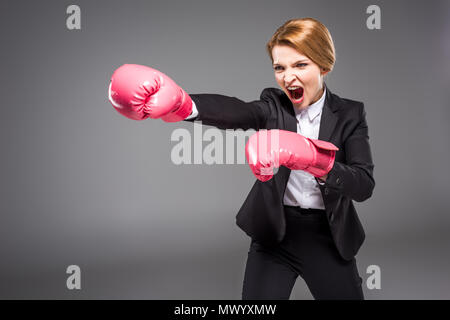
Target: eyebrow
x=303, y=60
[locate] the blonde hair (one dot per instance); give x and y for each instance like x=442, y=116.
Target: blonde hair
x=308, y=36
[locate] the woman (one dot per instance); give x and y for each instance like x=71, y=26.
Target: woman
x=300, y=224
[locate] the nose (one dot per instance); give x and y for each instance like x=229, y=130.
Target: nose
x=289, y=77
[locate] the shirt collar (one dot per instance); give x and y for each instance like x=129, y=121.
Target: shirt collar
x=314, y=109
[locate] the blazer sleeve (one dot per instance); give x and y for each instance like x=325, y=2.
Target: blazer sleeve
x=226, y=112
x=354, y=179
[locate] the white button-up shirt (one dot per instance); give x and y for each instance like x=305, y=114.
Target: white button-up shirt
x=302, y=188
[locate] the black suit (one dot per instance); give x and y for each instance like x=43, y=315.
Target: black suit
x=343, y=123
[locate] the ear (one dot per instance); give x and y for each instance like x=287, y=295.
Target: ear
x=324, y=72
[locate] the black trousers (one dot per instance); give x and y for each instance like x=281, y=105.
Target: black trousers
x=307, y=250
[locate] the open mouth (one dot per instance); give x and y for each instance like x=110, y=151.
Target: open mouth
x=296, y=94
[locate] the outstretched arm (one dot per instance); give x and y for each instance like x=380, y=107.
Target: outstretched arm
x=139, y=92
x=226, y=112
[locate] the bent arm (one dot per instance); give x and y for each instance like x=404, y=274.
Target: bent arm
x=226, y=112
x=355, y=178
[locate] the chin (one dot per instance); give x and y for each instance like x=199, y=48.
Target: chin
x=301, y=105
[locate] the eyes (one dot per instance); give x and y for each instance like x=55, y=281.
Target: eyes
x=298, y=65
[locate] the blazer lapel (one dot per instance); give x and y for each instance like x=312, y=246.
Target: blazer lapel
x=328, y=119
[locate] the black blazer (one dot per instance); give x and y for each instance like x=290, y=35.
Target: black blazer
x=343, y=123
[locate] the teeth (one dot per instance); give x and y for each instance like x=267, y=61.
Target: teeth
x=293, y=88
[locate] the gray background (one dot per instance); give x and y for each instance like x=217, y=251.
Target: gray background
x=83, y=185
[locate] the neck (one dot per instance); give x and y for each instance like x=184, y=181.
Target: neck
x=319, y=95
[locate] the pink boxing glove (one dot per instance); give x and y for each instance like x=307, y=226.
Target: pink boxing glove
x=268, y=149
x=139, y=92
